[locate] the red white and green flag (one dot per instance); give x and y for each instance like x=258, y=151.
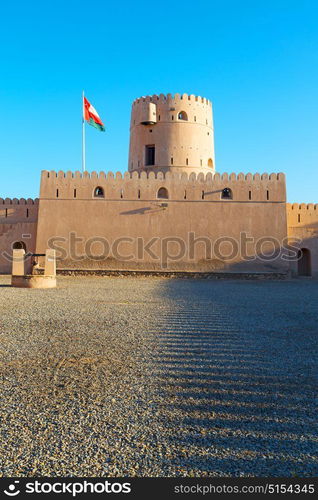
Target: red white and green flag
x=91, y=116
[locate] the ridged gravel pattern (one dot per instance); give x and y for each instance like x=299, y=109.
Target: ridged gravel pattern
x=158, y=377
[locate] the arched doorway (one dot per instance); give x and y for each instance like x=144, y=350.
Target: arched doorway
x=304, y=262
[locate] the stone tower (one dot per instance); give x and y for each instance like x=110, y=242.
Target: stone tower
x=171, y=133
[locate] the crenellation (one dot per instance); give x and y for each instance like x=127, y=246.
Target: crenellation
x=302, y=206
x=302, y=220
x=19, y=201
x=63, y=179
x=164, y=98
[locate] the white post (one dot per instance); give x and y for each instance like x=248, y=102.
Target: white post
x=83, y=137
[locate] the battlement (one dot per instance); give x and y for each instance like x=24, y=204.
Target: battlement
x=19, y=201
x=185, y=177
x=180, y=186
x=18, y=210
x=302, y=206
x=301, y=215
x=164, y=98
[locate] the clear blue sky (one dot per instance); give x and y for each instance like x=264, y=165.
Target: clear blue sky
x=257, y=62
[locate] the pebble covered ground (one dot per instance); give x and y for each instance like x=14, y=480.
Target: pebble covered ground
x=158, y=377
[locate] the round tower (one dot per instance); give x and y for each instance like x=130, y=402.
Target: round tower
x=171, y=133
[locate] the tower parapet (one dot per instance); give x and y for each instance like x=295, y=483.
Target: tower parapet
x=145, y=186
x=172, y=133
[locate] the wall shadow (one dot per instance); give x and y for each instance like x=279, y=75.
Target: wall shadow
x=237, y=372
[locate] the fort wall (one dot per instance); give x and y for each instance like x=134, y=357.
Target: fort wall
x=302, y=222
x=131, y=209
x=18, y=225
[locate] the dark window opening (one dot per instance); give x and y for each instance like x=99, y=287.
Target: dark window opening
x=121, y=193
x=99, y=192
x=195, y=118
x=187, y=161
x=171, y=160
x=19, y=245
x=163, y=193
x=298, y=217
x=150, y=155
x=57, y=193
x=226, y=194
x=172, y=117
x=185, y=195
x=183, y=116
x=139, y=194
x=27, y=212
x=74, y=193
x=202, y=195
x=267, y=195
x=6, y=212
x=159, y=118
x=250, y=195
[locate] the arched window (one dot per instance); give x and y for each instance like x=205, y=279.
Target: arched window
x=210, y=162
x=226, y=194
x=99, y=192
x=19, y=245
x=163, y=193
x=183, y=116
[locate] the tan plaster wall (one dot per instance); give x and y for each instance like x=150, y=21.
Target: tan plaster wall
x=121, y=214
x=18, y=222
x=302, y=220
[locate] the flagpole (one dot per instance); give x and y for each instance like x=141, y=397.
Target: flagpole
x=83, y=137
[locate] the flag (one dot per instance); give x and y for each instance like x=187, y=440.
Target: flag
x=91, y=116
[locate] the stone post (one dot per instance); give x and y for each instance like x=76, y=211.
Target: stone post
x=18, y=262
x=50, y=263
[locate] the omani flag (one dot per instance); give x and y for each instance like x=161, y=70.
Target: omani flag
x=91, y=116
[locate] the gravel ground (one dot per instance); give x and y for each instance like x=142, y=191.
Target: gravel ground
x=158, y=377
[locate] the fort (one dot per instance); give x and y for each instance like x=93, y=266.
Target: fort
x=170, y=211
